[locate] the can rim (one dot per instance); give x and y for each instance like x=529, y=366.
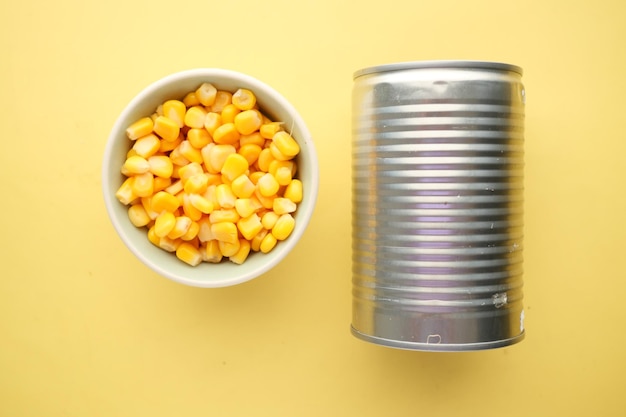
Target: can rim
x=401, y=66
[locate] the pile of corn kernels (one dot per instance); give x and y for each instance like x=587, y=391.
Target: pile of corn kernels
x=211, y=177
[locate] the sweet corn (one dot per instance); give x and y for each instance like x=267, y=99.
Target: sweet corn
x=265, y=159
x=191, y=99
x=268, y=130
x=166, y=128
x=266, y=202
x=247, y=206
x=146, y=203
x=140, y=128
x=169, y=245
x=226, y=134
x=250, y=151
x=253, y=138
x=268, y=243
x=199, y=138
x=225, y=196
x=175, y=111
x=277, y=154
x=244, y=99
x=147, y=146
x=242, y=254
x=206, y=94
x=177, y=158
x=175, y=188
x=248, y=121
x=293, y=191
x=269, y=220
x=225, y=232
x=192, y=232
x=164, y=224
x=201, y=203
x=161, y=166
x=286, y=144
x=283, y=227
x=234, y=166
x=190, y=153
x=249, y=226
x=212, y=252
x=267, y=185
x=212, y=121
x=222, y=99
x=161, y=183
x=229, y=249
x=181, y=226
x=196, y=184
x=189, y=209
x=255, y=176
x=242, y=186
x=167, y=146
x=229, y=112
x=143, y=185
x=255, y=243
x=195, y=117
x=136, y=165
x=189, y=254
x=283, y=206
x=283, y=176
x=138, y=216
x=164, y=201
x=189, y=171
x=224, y=215
x=214, y=156
x=152, y=237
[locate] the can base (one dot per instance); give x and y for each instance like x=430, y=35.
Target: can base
x=437, y=347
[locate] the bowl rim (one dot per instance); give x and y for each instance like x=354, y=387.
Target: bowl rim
x=305, y=141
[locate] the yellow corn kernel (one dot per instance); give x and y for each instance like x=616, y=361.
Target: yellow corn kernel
x=244, y=99
x=189, y=254
x=181, y=226
x=234, y=166
x=268, y=130
x=286, y=144
x=225, y=196
x=147, y=146
x=249, y=226
x=164, y=201
x=229, y=112
x=169, y=245
x=268, y=243
x=138, y=216
x=277, y=154
x=248, y=121
x=247, y=206
x=266, y=202
x=264, y=160
x=177, y=158
x=211, y=194
x=152, y=237
x=146, y=203
x=253, y=138
x=225, y=232
x=226, y=134
x=283, y=206
x=126, y=194
x=294, y=191
x=195, y=117
x=189, y=209
x=212, y=252
x=267, y=185
x=199, y=138
x=269, y=220
x=161, y=183
x=136, y=165
x=141, y=127
x=250, y=151
x=222, y=99
x=212, y=121
x=143, y=185
x=175, y=111
x=191, y=99
x=131, y=152
x=190, y=153
x=283, y=176
x=242, y=186
x=189, y=170
x=166, y=128
x=164, y=224
x=224, y=215
x=192, y=232
x=284, y=226
x=255, y=176
x=161, y=166
x=204, y=230
x=201, y=203
x=196, y=184
x=214, y=156
x=242, y=254
x=175, y=188
x=255, y=243
x=206, y=94
x=167, y=146
x=229, y=249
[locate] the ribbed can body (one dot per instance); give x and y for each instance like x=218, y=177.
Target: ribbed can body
x=437, y=205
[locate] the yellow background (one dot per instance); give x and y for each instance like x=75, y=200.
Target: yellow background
x=87, y=330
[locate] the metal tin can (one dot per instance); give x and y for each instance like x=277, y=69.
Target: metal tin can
x=437, y=205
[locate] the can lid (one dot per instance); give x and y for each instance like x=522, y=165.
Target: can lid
x=402, y=66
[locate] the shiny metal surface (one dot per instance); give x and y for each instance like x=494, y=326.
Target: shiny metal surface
x=437, y=163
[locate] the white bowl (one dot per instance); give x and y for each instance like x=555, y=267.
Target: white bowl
x=175, y=86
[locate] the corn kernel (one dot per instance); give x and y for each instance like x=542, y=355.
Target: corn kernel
x=225, y=232
x=229, y=249
x=196, y=184
x=152, y=237
x=214, y=156
x=283, y=176
x=201, y=203
x=169, y=245
x=255, y=243
x=212, y=252
x=264, y=160
x=175, y=111
x=222, y=99
x=199, y=138
x=242, y=254
x=283, y=205
x=255, y=176
x=283, y=227
x=161, y=166
x=249, y=226
x=191, y=99
x=177, y=158
x=286, y=144
x=140, y=128
x=224, y=215
x=189, y=209
x=234, y=166
x=267, y=185
x=206, y=94
x=164, y=201
x=166, y=128
x=247, y=206
x=250, y=151
x=143, y=185
x=192, y=232
x=161, y=183
x=266, y=202
x=167, y=146
x=189, y=171
x=226, y=134
x=269, y=220
x=268, y=243
x=253, y=138
x=190, y=153
x=189, y=254
x=244, y=99
x=181, y=226
x=294, y=191
x=175, y=188
x=146, y=203
x=277, y=154
x=138, y=216
x=212, y=121
x=225, y=196
x=126, y=194
x=164, y=223
x=147, y=146
x=242, y=186
x=268, y=130
x=204, y=231
x=229, y=112
x=248, y=121
x=195, y=117
x=136, y=165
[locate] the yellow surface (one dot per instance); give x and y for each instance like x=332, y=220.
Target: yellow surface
x=87, y=330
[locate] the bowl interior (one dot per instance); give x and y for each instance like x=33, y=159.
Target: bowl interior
x=175, y=87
